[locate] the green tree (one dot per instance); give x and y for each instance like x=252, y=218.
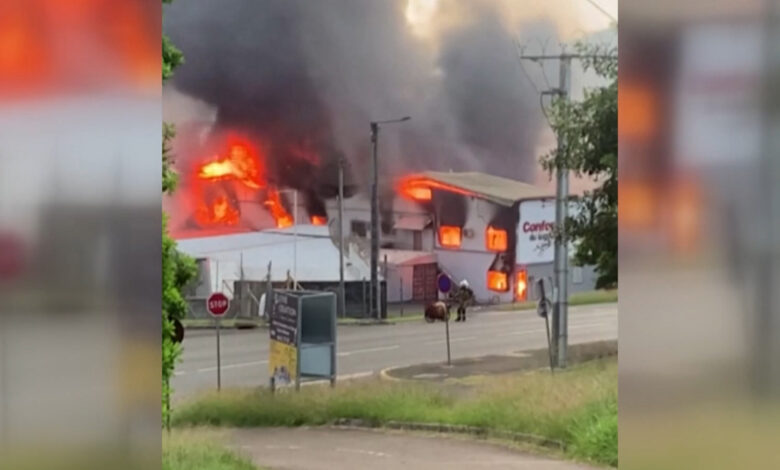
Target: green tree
x=589, y=130
x=177, y=269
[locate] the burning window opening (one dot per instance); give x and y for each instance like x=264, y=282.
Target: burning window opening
x=496, y=239
x=421, y=189
x=497, y=281
x=521, y=285
x=319, y=220
x=417, y=193
x=449, y=236
x=274, y=204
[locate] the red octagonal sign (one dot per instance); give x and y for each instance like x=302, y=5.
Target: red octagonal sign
x=217, y=304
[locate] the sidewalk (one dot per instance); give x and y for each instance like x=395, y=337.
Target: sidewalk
x=495, y=364
x=352, y=449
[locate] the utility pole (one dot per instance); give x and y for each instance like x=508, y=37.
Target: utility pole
x=376, y=289
x=560, y=323
x=561, y=306
x=342, y=297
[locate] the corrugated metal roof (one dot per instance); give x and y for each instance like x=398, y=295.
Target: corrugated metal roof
x=317, y=256
x=503, y=191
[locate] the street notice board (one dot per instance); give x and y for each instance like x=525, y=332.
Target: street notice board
x=302, y=331
x=283, y=360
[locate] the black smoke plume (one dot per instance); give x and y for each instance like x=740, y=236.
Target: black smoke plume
x=308, y=76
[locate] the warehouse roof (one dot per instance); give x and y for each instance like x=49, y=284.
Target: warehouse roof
x=503, y=191
x=317, y=256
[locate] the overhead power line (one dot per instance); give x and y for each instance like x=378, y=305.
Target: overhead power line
x=602, y=10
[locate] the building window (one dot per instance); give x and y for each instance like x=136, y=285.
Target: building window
x=359, y=228
x=497, y=281
x=496, y=239
x=449, y=236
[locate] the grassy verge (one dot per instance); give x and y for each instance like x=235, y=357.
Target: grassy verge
x=580, y=298
x=413, y=314
x=200, y=450
x=577, y=407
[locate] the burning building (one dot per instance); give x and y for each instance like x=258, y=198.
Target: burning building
x=491, y=231
x=494, y=232
x=286, y=90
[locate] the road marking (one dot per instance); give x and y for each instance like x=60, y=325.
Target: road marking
x=364, y=452
x=226, y=366
x=361, y=351
x=571, y=327
x=276, y=447
x=453, y=340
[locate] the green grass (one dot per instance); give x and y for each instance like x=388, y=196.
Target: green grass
x=580, y=298
x=200, y=450
x=577, y=407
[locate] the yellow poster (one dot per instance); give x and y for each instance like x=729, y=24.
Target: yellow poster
x=283, y=362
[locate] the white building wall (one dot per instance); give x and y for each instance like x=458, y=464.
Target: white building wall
x=472, y=260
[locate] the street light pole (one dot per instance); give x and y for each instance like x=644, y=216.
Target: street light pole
x=342, y=296
x=375, y=286
x=374, y=220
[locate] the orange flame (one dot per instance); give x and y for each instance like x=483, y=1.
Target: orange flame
x=420, y=188
x=274, y=204
x=219, y=212
x=449, y=236
x=521, y=287
x=496, y=239
x=496, y=281
x=241, y=163
x=319, y=220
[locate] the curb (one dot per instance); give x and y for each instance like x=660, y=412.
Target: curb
x=481, y=433
x=384, y=374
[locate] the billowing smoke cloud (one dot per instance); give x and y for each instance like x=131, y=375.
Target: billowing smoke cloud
x=306, y=77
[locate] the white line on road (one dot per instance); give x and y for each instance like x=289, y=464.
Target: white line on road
x=361, y=351
x=226, y=366
x=364, y=452
x=453, y=340
x=572, y=327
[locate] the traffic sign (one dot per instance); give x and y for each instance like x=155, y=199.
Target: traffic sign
x=444, y=282
x=217, y=304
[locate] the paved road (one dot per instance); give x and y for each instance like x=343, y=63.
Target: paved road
x=326, y=449
x=363, y=350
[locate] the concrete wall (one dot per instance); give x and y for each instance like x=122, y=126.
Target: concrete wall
x=581, y=279
x=398, y=276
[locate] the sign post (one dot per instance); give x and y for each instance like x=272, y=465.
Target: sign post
x=543, y=309
x=445, y=286
x=217, y=304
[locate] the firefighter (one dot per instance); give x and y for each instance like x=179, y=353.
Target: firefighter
x=463, y=296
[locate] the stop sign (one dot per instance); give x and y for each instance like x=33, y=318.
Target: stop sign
x=217, y=304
